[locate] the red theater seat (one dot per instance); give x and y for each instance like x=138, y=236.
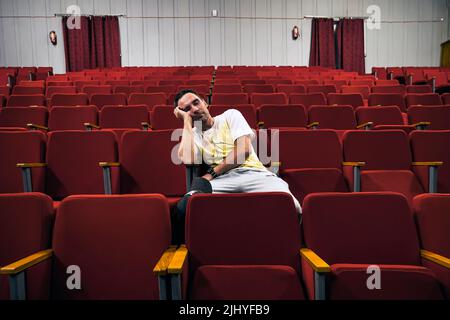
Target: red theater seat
x=72, y=118
x=423, y=99
x=353, y=99
x=432, y=146
x=116, y=99
x=162, y=118
x=308, y=99
x=437, y=116
x=20, y=117
x=258, y=99
x=130, y=231
x=276, y=116
x=229, y=98
x=387, y=158
x=385, y=240
x=63, y=99
x=21, y=147
x=318, y=169
x=432, y=213
x=112, y=117
x=225, y=263
x=146, y=165
x=26, y=100
x=148, y=99
x=25, y=229
x=387, y=99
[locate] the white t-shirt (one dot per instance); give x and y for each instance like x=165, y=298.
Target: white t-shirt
x=214, y=144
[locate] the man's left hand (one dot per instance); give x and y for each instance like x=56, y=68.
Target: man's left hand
x=208, y=177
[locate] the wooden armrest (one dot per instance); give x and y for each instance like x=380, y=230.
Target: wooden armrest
x=423, y=123
x=436, y=258
x=161, y=267
x=27, y=262
x=31, y=165
x=313, y=124
x=109, y=164
x=88, y=125
x=354, y=164
x=430, y=163
x=178, y=260
x=146, y=125
x=314, y=260
x=33, y=126
x=260, y=124
x=365, y=125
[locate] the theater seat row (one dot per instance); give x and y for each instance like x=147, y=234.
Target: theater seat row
x=118, y=247
x=68, y=162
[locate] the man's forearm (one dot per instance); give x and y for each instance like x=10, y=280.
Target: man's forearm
x=186, y=151
x=234, y=159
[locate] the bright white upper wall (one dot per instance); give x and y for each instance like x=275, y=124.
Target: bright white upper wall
x=247, y=32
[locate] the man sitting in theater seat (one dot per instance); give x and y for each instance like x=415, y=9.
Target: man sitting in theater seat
x=224, y=143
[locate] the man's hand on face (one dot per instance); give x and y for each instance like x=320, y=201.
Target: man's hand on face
x=180, y=114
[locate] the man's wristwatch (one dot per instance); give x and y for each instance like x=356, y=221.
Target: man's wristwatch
x=212, y=172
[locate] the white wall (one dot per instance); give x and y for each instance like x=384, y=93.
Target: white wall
x=248, y=32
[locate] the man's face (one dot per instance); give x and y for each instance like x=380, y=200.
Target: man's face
x=195, y=106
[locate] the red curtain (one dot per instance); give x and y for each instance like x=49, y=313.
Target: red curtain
x=350, y=38
x=322, y=43
x=95, y=45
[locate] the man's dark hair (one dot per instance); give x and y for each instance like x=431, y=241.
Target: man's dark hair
x=180, y=95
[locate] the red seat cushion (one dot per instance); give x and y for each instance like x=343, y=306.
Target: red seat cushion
x=349, y=282
x=255, y=282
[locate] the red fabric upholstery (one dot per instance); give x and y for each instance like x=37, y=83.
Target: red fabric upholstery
x=20, y=117
x=61, y=99
x=116, y=99
x=26, y=90
x=128, y=90
x=325, y=89
x=423, y=99
x=73, y=162
x=246, y=283
x=130, y=231
x=258, y=88
x=72, y=118
x=229, y=98
x=275, y=116
x=364, y=90
x=432, y=146
x=419, y=89
x=167, y=89
x=259, y=99
x=21, y=147
x=247, y=110
x=335, y=117
x=162, y=118
x=90, y=90
x=438, y=116
x=387, y=99
x=227, y=88
x=388, y=161
x=149, y=99
x=146, y=164
x=290, y=88
x=63, y=89
x=26, y=100
x=387, y=115
x=82, y=83
x=385, y=234
x=308, y=99
x=217, y=242
x=398, y=89
x=433, y=221
x=123, y=117
x=319, y=169
x=26, y=221
x=398, y=282
x=353, y=99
